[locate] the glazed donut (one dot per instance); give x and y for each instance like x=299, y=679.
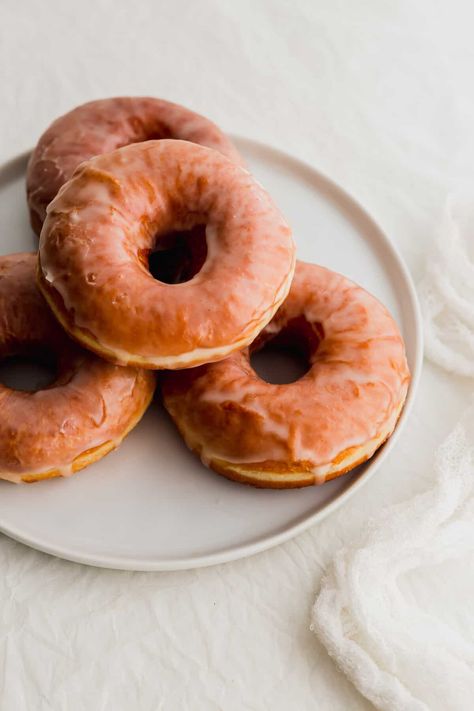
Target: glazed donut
x=83, y=414
x=102, y=226
x=100, y=127
x=318, y=427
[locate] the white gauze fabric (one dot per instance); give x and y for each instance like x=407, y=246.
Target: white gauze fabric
x=399, y=655
x=447, y=291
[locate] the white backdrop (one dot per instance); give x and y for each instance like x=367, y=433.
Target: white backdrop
x=378, y=95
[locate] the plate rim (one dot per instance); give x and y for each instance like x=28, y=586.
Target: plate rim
x=267, y=541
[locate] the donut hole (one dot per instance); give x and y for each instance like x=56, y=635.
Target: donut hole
x=178, y=256
x=285, y=357
x=277, y=365
x=28, y=371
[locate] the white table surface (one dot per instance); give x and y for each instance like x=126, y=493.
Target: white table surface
x=378, y=95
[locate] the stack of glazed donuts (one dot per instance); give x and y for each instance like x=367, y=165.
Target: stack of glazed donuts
x=120, y=188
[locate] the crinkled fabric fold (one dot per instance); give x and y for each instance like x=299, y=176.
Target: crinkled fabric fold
x=398, y=655
x=447, y=292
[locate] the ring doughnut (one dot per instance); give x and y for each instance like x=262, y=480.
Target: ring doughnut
x=105, y=222
x=100, y=127
x=83, y=414
x=318, y=427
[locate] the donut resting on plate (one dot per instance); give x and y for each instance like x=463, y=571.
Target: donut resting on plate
x=102, y=126
x=318, y=427
x=86, y=411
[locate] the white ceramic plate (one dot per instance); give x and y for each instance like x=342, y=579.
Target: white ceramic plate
x=151, y=505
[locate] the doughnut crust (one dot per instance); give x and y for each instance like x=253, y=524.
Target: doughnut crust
x=88, y=409
x=105, y=222
x=318, y=427
x=102, y=126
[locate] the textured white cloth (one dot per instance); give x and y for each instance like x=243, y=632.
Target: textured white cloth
x=447, y=291
x=400, y=655
x=376, y=94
